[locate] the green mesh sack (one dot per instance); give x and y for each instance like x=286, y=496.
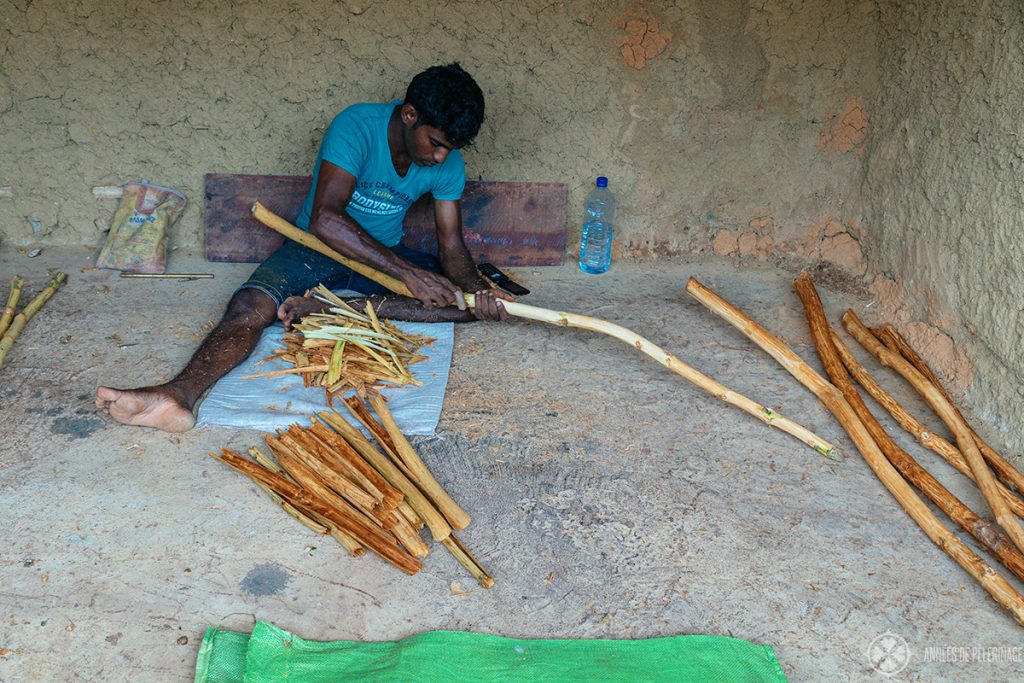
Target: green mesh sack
x=272, y=654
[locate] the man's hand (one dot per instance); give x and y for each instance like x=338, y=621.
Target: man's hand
x=433, y=289
x=488, y=306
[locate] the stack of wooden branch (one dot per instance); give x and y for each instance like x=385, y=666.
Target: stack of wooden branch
x=893, y=465
x=11, y=325
x=379, y=496
x=345, y=349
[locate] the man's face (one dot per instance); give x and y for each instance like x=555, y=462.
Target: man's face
x=426, y=145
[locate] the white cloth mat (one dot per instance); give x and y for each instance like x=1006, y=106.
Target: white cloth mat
x=276, y=402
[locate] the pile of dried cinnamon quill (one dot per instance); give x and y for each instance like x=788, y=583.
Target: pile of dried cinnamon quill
x=366, y=494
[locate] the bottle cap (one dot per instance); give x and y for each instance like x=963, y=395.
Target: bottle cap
x=602, y=181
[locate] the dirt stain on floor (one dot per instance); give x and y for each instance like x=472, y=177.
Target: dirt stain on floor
x=76, y=427
x=265, y=579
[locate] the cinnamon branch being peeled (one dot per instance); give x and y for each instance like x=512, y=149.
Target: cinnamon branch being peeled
x=564, y=319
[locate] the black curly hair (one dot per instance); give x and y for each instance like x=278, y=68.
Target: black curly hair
x=447, y=98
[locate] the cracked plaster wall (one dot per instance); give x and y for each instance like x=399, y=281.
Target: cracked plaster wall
x=945, y=163
x=707, y=117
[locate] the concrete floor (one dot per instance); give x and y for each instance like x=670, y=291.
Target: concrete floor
x=611, y=499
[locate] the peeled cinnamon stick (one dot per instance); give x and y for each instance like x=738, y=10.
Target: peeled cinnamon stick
x=314, y=521
x=294, y=440
x=439, y=528
x=390, y=496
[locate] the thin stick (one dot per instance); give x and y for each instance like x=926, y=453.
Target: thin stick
x=466, y=559
x=168, y=276
x=17, y=282
x=439, y=528
x=26, y=314
x=947, y=413
x=826, y=343
x=375, y=541
x=766, y=415
x=1003, y=468
x=1000, y=590
x=456, y=516
x=924, y=436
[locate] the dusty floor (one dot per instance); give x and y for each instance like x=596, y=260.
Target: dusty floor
x=611, y=499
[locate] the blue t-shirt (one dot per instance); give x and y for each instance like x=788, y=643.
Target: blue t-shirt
x=357, y=141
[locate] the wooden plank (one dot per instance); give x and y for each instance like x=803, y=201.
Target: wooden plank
x=232, y=234
x=504, y=223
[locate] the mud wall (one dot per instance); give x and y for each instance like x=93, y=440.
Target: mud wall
x=736, y=121
x=945, y=164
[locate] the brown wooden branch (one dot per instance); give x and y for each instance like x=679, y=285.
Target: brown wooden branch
x=1000, y=465
x=1001, y=590
x=827, y=345
x=919, y=431
x=307, y=479
x=310, y=519
x=947, y=413
x=374, y=540
x=422, y=476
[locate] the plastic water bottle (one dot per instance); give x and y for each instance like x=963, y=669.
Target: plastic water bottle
x=596, y=242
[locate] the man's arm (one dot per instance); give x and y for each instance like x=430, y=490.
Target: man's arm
x=457, y=263
x=331, y=223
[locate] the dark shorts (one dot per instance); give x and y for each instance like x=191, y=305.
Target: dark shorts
x=293, y=269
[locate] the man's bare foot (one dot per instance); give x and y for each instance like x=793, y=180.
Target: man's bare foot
x=295, y=308
x=148, y=407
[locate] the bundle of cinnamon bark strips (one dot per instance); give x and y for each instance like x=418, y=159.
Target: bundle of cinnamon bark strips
x=376, y=495
x=344, y=349
x=998, y=480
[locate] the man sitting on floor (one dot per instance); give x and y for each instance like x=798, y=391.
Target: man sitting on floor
x=375, y=161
